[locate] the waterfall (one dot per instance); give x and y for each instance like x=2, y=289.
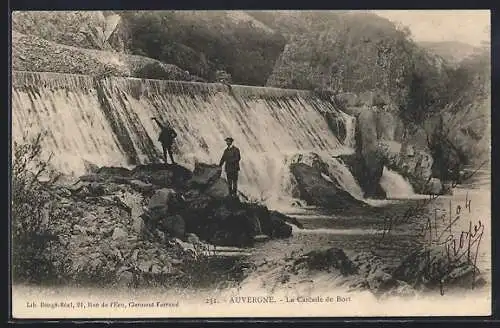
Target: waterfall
x=108, y=122
x=350, y=126
x=395, y=185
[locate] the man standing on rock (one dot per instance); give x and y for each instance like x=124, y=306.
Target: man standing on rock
x=167, y=136
x=232, y=158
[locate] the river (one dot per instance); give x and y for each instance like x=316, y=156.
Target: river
x=353, y=232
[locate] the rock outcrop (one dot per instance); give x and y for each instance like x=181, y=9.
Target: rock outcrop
x=315, y=189
x=412, y=163
x=146, y=225
x=379, y=144
x=433, y=268
x=365, y=271
x=370, y=164
x=317, y=185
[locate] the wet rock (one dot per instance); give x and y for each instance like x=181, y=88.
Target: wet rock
x=280, y=228
x=373, y=168
x=204, y=175
x=192, y=238
x=174, y=226
x=434, y=187
x=368, y=263
x=434, y=269
x=399, y=289
x=113, y=229
x=316, y=190
x=93, y=177
x=185, y=247
x=113, y=171
x=63, y=192
x=413, y=164
x=162, y=175
x=375, y=127
x=272, y=223
x=90, y=167
x=141, y=186
x=219, y=189
x=285, y=218
x=97, y=189
x=161, y=198
x=326, y=260
x=380, y=282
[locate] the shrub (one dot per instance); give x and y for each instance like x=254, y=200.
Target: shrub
x=159, y=71
x=30, y=210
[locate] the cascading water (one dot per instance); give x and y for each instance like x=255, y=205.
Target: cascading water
x=395, y=185
x=66, y=110
x=108, y=122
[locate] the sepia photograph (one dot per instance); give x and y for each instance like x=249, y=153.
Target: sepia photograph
x=250, y=163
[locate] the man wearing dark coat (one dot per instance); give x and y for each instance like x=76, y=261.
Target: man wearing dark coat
x=166, y=138
x=231, y=158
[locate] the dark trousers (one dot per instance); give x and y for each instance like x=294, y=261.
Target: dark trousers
x=167, y=149
x=232, y=179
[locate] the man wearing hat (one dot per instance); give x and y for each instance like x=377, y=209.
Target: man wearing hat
x=166, y=138
x=232, y=158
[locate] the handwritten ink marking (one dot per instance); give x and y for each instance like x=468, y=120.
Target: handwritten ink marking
x=390, y=222
x=467, y=201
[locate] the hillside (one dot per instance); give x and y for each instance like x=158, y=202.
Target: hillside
x=201, y=42
x=31, y=53
x=84, y=29
x=356, y=52
x=451, y=51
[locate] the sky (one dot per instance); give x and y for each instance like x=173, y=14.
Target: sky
x=469, y=26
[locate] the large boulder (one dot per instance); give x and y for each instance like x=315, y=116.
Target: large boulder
x=113, y=171
x=162, y=175
x=372, y=169
x=279, y=228
x=219, y=189
x=412, y=163
x=174, y=225
x=434, y=187
x=205, y=175
x=367, y=130
x=229, y=222
x=162, y=198
x=318, y=189
x=434, y=269
x=327, y=260
x=371, y=165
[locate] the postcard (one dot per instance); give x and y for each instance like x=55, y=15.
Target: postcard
x=214, y=164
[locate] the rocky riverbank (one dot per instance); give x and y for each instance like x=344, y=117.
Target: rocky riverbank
x=156, y=224
x=333, y=269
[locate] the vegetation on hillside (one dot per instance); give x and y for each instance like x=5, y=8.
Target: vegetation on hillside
x=204, y=42
x=451, y=51
x=30, y=209
x=84, y=29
